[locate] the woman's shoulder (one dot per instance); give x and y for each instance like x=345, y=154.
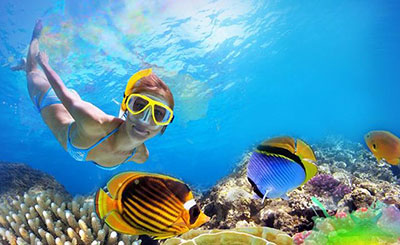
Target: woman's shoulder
x=111, y=122
x=103, y=124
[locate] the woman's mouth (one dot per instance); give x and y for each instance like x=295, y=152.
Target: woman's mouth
x=140, y=130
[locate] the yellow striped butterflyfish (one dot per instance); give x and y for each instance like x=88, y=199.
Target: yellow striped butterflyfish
x=156, y=205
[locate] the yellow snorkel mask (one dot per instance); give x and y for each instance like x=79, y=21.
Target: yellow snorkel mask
x=137, y=103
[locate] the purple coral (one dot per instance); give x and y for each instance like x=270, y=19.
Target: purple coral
x=340, y=191
x=327, y=184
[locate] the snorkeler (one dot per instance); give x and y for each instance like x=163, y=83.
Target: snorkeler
x=86, y=132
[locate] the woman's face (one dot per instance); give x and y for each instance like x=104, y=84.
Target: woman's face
x=142, y=126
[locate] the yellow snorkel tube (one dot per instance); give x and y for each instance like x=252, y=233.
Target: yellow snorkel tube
x=130, y=85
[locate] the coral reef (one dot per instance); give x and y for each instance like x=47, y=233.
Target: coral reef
x=238, y=236
x=47, y=217
x=18, y=178
x=327, y=185
x=349, y=179
x=340, y=186
x=231, y=204
x=336, y=154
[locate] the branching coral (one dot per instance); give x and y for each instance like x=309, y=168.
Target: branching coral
x=325, y=184
x=48, y=218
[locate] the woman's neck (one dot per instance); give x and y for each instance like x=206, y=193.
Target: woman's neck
x=122, y=139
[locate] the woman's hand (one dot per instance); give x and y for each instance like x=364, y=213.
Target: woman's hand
x=42, y=58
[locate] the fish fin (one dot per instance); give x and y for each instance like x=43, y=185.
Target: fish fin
x=308, y=159
x=304, y=150
x=258, y=194
x=394, y=161
x=115, y=221
x=117, y=181
x=164, y=236
x=161, y=176
x=265, y=196
x=104, y=204
x=310, y=169
x=284, y=142
x=201, y=219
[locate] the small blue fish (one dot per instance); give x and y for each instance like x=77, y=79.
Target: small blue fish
x=278, y=166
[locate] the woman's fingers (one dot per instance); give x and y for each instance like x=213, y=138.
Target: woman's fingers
x=42, y=58
x=38, y=29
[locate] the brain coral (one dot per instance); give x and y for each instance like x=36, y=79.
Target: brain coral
x=237, y=236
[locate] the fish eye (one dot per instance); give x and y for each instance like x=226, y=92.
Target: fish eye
x=194, y=213
x=374, y=146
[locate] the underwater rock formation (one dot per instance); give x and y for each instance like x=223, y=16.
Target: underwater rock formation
x=341, y=154
x=238, y=236
x=231, y=204
x=18, y=178
x=50, y=218
x=340, y=187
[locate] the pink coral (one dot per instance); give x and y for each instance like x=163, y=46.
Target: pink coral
x=299, y=238
x=340, y=215
x=363, y=209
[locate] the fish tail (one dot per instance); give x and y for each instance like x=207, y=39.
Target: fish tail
x=104, y=204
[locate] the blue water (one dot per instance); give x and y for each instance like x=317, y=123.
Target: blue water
x=240, y=71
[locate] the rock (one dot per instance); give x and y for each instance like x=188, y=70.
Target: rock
x=18, y=178
x=358, y=198
x=341, y=164
x=230, y=203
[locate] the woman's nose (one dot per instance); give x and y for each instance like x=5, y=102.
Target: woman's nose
x=146, y=115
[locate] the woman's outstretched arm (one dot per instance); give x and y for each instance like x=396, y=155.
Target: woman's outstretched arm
x=86, y=115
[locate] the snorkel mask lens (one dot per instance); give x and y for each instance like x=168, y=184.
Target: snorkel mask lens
x=160, y=114
x=138, y=103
